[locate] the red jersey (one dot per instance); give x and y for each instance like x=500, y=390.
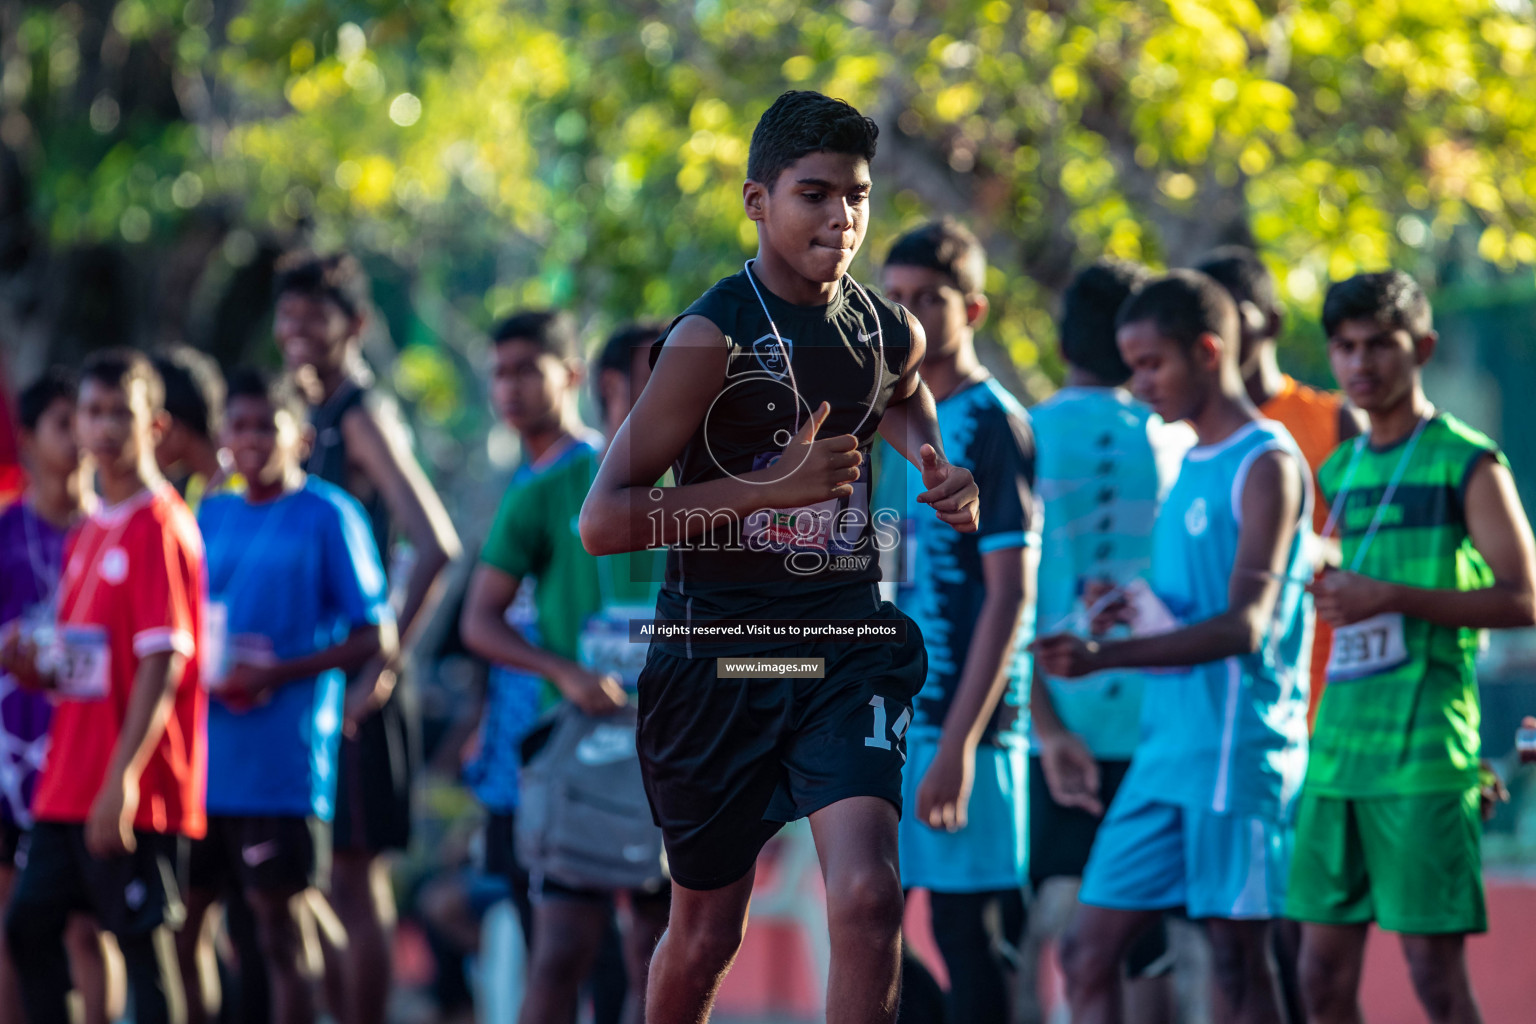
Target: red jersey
x=133, y=586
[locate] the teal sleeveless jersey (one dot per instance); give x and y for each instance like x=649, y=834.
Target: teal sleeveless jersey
x=1411, y=724
x=1227, y=736
x=1105, y=463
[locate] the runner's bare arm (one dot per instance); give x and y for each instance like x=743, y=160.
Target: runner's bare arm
x=1271, y=510
x=109, y=827
x=911, y=426
x=352, y=653
x=1008, y=579
x=484, y=628
x=1007, y=576
x=910, y=420
x=1502, y=535
x=625, y=510
x=376, y=440
x=1070, y=770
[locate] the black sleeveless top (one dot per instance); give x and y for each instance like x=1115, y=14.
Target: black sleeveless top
x=328, y=459
x=786, y=563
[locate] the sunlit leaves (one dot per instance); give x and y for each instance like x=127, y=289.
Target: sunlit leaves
x=592, y=154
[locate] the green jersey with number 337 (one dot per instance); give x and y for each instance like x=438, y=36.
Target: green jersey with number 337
x=1400, y=715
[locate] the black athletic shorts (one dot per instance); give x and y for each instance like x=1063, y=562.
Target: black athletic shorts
x=500, y=848
x=374, y=771
x=130, y=896
x=12, y=838
x=727, y=761
x=267, y=854
x=1059, y=841
x=1060, y=837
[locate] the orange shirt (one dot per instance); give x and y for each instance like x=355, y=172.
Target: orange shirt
x=1312, y=417
x=132, y=587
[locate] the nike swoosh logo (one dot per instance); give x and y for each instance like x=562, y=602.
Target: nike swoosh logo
x=603, y=746
x=259, y=852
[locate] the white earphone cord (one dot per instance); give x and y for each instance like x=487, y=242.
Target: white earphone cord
x=789, y=365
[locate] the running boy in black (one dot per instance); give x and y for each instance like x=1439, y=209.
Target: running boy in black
x=768, y=520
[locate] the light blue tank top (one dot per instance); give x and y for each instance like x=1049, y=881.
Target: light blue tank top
x=1227, y=736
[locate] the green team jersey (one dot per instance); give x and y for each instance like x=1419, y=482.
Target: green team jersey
x=1400, y=714
x=536, y=533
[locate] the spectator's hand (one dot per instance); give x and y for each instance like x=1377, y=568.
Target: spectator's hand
x=1107, y=612
x=1491, y=789
x=1071, y=772
x=951, y=490
x=1066, y=656
x=592, y=692
x=18, y=658
x=366, y=695
x=109, y=826
x=247, y=686
x=944, y=795
x=1344, y=598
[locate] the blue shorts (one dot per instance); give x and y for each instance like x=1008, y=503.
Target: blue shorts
x=1157, y=856
x=990, y=853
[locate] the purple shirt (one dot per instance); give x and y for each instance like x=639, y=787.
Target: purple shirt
x=31, y=559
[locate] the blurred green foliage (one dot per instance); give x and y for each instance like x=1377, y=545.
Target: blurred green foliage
x=590, y=154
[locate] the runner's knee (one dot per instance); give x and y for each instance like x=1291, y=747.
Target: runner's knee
x=1327, y=988
x=1439, y=977
x=277, y=933
x=865, y=898
x=1088, y=962
x=562, y=957
x=1239, y=962
x=706, y=944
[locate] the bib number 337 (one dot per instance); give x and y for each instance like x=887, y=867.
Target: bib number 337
x=1368, y=648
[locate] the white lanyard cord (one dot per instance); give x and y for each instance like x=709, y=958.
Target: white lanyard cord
x=789, y=366
x=47, y=574
x=1386, y=497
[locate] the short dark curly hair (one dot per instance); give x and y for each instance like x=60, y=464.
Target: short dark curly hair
x=119, y=368
x=276, y=389
x=1242, y=273
x=551, y=330
x=337, y=277
x=948, y=247
x=801, y=122
x=194, y=389
x=1391, y=298
x=618, y=353
x=1184, y=305
x=55, y=384
x=1088, y=309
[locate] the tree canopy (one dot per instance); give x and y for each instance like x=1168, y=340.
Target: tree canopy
x=482, y=154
